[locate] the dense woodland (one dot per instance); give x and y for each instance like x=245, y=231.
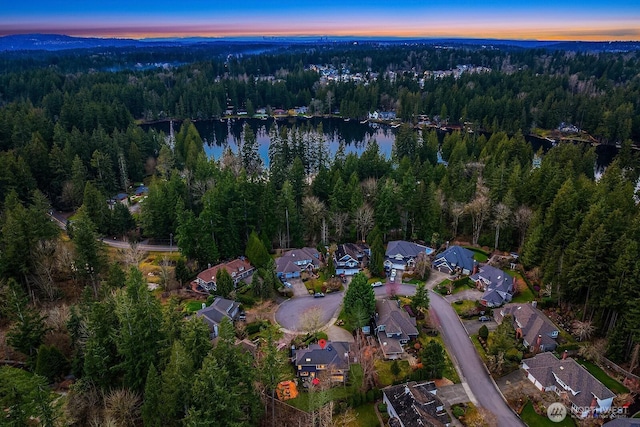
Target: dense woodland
x=70, y=141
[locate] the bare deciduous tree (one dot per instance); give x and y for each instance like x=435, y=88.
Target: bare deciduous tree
x=122, y=406
x=364, y=220
x=339, y=221
x=369, y=189
x=594, y=351
x=582, y=330
x=456, y=210
x=479, y=209
x=311, y=319
x=521, y=219
x=501, y=216
x=423, y=266
x=44, y=252
x=366, y=355
x=313, y=209
x=133, y=255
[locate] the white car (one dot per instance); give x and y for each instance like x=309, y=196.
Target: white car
x=376, y=284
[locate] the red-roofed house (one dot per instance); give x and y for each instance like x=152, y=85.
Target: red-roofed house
x=238, y=269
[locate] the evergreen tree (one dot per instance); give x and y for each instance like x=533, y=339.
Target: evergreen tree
x=224, y=283
x=152, y=404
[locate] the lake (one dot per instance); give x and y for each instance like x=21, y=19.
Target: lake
x=220, y=134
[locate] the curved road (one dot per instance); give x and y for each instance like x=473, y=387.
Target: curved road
x=475, y=378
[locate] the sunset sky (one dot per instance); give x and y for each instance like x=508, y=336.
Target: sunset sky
x=505, y=19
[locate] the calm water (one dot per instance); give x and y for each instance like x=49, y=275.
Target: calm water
x=218, y=135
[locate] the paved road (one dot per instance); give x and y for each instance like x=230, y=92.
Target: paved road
x=474, y=373
x=291, y=312
x=61, y=222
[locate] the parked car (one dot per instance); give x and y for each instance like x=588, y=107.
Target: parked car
x=376, y=284
x=318, y=295
x=242, y=316
x=484, y=318
x=288, y=285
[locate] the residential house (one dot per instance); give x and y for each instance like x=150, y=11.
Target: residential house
x=238, y=269
x=333, y=359
x=293, y=262
x=538, y=333
x=350, y=258
x=220, y=308
x=415, y=405
x=455, y=259
x=402, y=255
x=580, y=391
x=394, y=328
x=497, y=286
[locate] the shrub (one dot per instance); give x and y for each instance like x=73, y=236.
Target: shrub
x=458, y=412
x=255, y=327
x=382, y=408
x=513, y=354
x=483, y=332
x=371, y=396
x=246, y=300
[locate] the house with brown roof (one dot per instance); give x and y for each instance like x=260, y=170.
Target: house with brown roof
x=239, y=269
x=293, y=262
x=415, y=405
x=394, y=328
x=535, y=329
x=578, y=389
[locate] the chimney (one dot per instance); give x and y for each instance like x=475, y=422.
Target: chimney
x=564, y=355
x=594, y=402
x=539, y=340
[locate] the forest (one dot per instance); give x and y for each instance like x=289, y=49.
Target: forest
x=71, y=140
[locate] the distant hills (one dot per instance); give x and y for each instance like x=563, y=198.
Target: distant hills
x=57, y=42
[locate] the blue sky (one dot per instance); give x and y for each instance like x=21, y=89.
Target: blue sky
x=581, y=20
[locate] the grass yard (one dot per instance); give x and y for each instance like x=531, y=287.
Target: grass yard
x=478, y=254
x=524, y=292
x=532, y=419
x=602, y=376
x=385, y=377
x=366, y=415
x=308, y=401
x=192, y=306
x=463, y=306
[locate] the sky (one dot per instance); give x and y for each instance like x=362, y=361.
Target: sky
x=502, y=19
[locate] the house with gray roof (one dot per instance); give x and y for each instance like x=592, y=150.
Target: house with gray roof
x=351, y=258
x=415, y=405
x=291, y=264
x=218, y=310
x=394, y=328
x=497, y=286
x=582, y=392
x=402, y=255
x=535, y=329
x=455, y=259
x=314, y=360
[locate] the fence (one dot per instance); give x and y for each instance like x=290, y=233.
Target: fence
x=610, y=365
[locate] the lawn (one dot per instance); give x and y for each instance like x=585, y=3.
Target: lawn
x=478, y=254
x=385, y=377
x=462, y=306
x=602, y=376
x=532, y=419
x=366, y=416
x=524, y=292
x=192, y=306
x=478, y=346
